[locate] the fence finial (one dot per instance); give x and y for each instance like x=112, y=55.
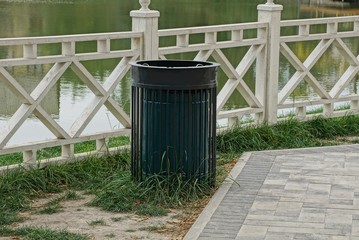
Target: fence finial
x=145, y=4
x=270, y=2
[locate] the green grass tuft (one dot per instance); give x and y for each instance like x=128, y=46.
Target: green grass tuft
x=97, y=222
x=36, y=233
x=9, y=217
x=52, y=209
x=69, y=195
x=153, y=228
x=152, y=196
x=325, y=128
x=289, y=134
x=18, y=187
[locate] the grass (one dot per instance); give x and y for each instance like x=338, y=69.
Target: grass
x=97, y=222
x=52, y=209
x=110, y=180
x=151, y=197
x=153, y=228
x=17, y=188
x=111, y=235
x=35, y=233
x=117, y=219
x=69, y=195
x=8, y=217
x=46, y=153
x=288, y=134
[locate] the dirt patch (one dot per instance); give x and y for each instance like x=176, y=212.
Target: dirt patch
x=77, y=217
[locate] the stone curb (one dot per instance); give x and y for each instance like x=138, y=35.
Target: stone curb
x=217, y=198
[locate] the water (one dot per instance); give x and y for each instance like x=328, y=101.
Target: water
x=21, y=18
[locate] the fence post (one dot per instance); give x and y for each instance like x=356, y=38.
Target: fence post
x=29, y=159
x=267, y=70
x=146, y=21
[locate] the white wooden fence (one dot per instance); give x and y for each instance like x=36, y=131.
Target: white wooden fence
x=264, y=50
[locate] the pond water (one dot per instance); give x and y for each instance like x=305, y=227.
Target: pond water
x=21, y=18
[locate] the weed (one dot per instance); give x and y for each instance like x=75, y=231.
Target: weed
x=117, y=219
x=153, y=228
x=150, y=197
x=97, y=222
x=111, y=235
x=52, y=209
x=70, y=195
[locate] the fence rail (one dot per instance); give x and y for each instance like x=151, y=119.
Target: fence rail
x=333, y=36
x=212, y=47
x=68, y=58
x=263, y=44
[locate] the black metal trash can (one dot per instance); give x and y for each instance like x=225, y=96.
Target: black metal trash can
x=174, y=118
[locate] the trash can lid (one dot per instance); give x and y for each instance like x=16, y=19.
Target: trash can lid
x=174, y=74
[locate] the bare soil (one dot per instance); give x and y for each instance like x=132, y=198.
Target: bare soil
x=77, y=217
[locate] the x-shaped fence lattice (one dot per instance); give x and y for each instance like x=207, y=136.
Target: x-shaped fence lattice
x=30, y=102
x=303, y=69
x=235, y=73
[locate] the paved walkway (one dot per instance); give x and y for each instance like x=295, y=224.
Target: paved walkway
x=305, y=194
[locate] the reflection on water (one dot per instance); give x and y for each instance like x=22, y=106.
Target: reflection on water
x=330, y=67
x=67, y=99
x=64, y=102
x=28, y=77
x=322, y=8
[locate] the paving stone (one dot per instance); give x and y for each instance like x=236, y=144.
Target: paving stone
x=272, y=182
x=342, y=238
x=216, y=236
x=271, y=218
x=298, y=194
x=296, y=185
x=306, y=230
x=273, y=186
x=341, y=192
x=330, y=206
x=341, y=202
x=281, y=236
x=281, y=193
x=355, y=228
x=312, y=215
x=264, y=205
x=345, y=229
x=306, y=236
x=319, y=189
x=261, y=212
x=312, y=179
x=337, y=217
x=284, y=223
x=288, y=209
x=252, y=232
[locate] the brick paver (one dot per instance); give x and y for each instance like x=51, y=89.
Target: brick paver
x=310, y=193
